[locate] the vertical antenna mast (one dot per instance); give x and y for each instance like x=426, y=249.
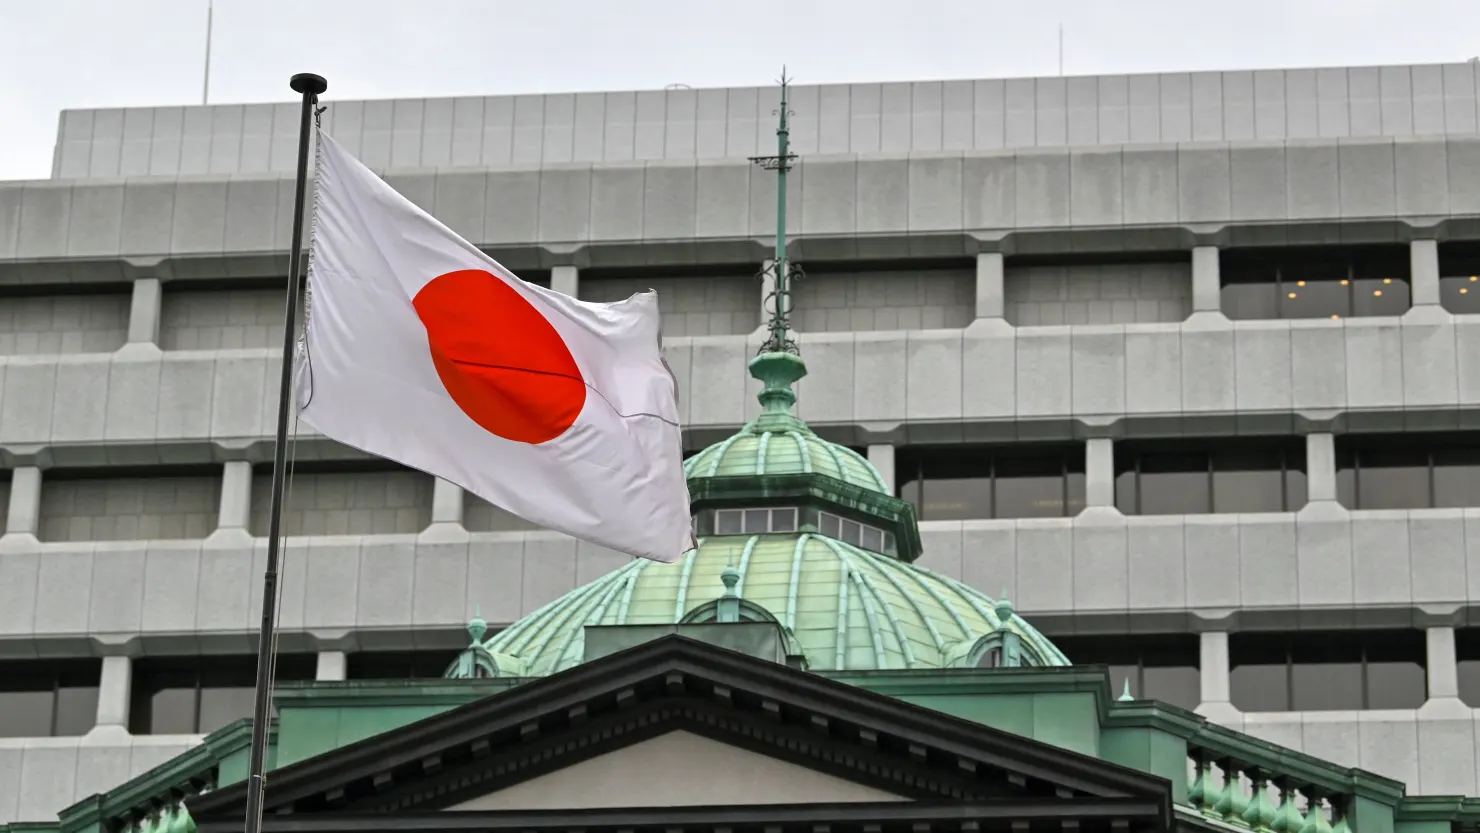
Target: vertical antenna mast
x=205, y=91
x=1061, y=49
x=781, y=270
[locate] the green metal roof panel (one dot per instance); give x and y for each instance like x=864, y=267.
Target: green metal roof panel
x=848, y=608
x=768, y=448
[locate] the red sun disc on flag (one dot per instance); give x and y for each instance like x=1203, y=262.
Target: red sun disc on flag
x=499, y=358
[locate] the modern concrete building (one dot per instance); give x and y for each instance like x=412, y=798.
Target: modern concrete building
x=1183, y=364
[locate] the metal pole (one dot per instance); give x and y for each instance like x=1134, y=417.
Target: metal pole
x=783, y=153
x=309, y=86
x=205, y=89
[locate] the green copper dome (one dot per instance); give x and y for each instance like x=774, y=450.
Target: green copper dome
x=846, y=608
x=791, y=529
x=797, y=531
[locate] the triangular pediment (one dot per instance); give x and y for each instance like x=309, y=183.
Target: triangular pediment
x=681, y=724
x=677, y=769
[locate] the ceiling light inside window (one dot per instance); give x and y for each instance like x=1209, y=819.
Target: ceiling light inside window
x=1344, y=281
x=1300, y=283
x=1387, y=280
x=1292, y=295
x=1377, y=292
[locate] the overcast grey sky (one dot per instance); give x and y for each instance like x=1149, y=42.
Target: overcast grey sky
x=57, y=54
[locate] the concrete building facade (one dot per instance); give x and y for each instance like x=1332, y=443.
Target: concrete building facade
x=1184, y=364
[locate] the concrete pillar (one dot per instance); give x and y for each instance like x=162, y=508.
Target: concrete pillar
x=1214, y=665
x=143, y=313
x=24, y=514
x=1099, y=472
x=882, y=458
x=331, y=666
x=236, y=495
x=115, y=687
x=566, y=280
x=990, y=301
x=447, y=503
x=1443, y=665
x=1424, y=281
x=1320, y=466
x=1206, y=284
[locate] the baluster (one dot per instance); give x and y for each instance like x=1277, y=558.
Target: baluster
x=1231, y=803
x=1339, y=811
x=1289, y=819
x=1201, y=784
x=1260, y=813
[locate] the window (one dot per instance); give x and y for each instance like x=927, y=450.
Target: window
x=1159, y=666
x=48, y=698
x=852, y=532
x=1330, y=670
x=1459, y=276
x=1408, y=471
x=1199, y=477
x=198, y=695
x=749, y=521
x=398, y=665
x=1467, y=652
x=1315, y=282
x=980, y=482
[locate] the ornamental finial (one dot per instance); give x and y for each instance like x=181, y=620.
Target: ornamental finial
x=781, y=272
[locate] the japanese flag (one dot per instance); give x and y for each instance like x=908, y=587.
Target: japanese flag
x=422, y=349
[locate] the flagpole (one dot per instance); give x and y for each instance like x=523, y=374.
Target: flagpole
x=309, y=86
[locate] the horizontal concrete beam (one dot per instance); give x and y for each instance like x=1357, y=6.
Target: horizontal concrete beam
x=989, y=381
x=921, y=116
x=593, y=213
x=1324, y=567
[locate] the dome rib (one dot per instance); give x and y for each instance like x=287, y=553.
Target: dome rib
x=794, y=584
x=744, y=567
x=919, y=579
x=870, y=468
x=566, y=616
x=632, y=574
x=806, y=452
x=935, y=636
x=595, y=616
x=869, y=598
x=681, y=598
x=841, y=647
x=875, y=633
x=760, y=454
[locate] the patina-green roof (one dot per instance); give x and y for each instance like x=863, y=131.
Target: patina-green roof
x=776, y=446
x=848, y=608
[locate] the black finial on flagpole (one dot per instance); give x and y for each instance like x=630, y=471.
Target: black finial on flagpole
x=309, y=86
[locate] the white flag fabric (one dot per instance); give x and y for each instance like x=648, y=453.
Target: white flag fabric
x=422, y=349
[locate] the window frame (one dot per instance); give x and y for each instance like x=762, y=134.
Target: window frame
x=1279, y=260
x=1288, y=447
x=994, y=456
x=1290, y=648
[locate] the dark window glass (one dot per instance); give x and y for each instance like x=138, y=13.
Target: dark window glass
x=1235, y=474
x=1467, y=652
x=1315, y=282
x=1251, y=302
x=1460, y=296
x=1393, y=478
x=398, y=665
x=1325, y=671
x=1158, y=666
x=977, y=482
x=1408, y=471
x=1459, y=276
x=1457, y=476
x=198, y=695
x=48, y=698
